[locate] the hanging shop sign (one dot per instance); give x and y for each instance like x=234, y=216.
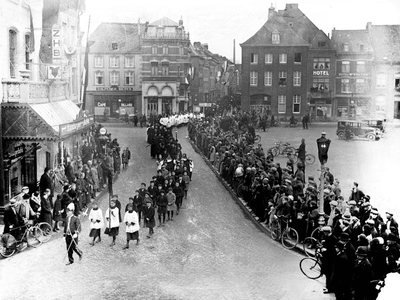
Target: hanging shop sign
x=56, y=43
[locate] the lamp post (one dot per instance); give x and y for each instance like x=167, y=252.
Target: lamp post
x=323, y=147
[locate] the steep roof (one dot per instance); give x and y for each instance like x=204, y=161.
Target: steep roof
x=354, y=38
x=275, y=23
x=164, y=22
x=385, y=40
x=126, y=35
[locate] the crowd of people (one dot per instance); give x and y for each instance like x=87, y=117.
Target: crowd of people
x=360, y=244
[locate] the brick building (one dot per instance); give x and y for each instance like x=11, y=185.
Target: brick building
x=279, y=66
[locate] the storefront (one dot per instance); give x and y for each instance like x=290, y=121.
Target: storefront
x=36, y=136
x=115, y=105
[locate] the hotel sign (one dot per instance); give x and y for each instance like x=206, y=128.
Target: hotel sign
x=68, y=128
x=56, y=43
x=114, y=88
x=320, y=73
x=353, y=74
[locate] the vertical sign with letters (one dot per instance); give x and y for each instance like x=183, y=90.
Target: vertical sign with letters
x=56, y=43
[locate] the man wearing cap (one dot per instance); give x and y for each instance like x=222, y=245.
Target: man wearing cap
x=25, y=210
x=341, y=274
x=356, y=193
x=12, y=219
x=328, y=256
x=362, y=275
x=391, y=224
x=71, y=231
x=149, y=217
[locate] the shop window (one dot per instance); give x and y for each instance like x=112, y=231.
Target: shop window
x=268, y=78
x=99, y=78
x=282, y=104
x=297, y=58
x=296, y=78
x=296, y=104
x=320, y=85
x=268, y=58
x=254, y=58
x=253, y=78
x=282, y=78
x=130, y=78
x=322, y=63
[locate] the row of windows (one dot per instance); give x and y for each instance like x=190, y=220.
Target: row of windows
x=269, y=58
x=360, y=66
x=114, y=78
x=282, y=77
x=114, y=61
x=155, y=49
x=296, y=104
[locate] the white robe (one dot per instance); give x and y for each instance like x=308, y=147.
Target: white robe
x=114, y=217
x=131, y=218
x=96, y=215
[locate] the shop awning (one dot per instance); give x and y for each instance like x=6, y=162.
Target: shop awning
x=57, y=112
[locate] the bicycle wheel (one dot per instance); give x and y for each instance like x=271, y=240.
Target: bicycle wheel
x=274, y=151
x=257, y=139
x=309, y=246
x=47, y=231
x=289, y=151
x=310, y=267
x=34, y=237
x=7, y=245
x=275, y=229
x=290, y=238
x=310, y=159
x=317, y=234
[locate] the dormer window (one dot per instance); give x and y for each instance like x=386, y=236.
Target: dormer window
x=114, y=46
x=276, y=39
x=321, y=44
x=361, y=47
x=346, y=47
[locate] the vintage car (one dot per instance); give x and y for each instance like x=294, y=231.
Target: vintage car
x=357, y=129
x=376, y=123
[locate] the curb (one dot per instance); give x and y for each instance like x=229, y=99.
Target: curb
x=242, y=204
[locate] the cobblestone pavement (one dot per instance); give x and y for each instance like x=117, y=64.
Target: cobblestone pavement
x=209, y=251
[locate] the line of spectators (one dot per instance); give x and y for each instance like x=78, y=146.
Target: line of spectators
x=269, y=189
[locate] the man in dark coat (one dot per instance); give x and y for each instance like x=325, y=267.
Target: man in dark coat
x=47, y=183
x=71, y=230
x=341, y=275
x=149, y=217
x=12, y=219
x=362, y=275
x=301, y=151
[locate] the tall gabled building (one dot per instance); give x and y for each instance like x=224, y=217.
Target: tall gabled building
x=353, y=76
x=279, y=67
x=165, y=65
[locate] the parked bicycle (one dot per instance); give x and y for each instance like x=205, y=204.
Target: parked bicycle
x=311, y=267
x=282, y=148
x=310, y=159
x=288, y=236
x=33, y=236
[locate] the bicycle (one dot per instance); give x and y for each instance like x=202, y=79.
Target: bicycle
x=312, y=247
x=282, y=148
x=257, y=139
x=310, y=159
x=311, y=267
x=47, y=231
x=289, y=236
x=33, y=236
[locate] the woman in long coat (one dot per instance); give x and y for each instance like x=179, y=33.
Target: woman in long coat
x=45, y=213
x=57, y=213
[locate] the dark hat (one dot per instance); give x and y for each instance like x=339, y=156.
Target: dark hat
x=389, y=213
x=66, y=187
x=392, y=237
x=13, y=202
x=25, y=196
x=344, y=237
x=362, y=251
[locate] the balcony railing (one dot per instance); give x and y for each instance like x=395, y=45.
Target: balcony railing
x=24, y=91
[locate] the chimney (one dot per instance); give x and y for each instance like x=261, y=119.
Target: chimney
x=181, y=22
x=369, y=25
x=271, y=11
x=197, y=44
x=205, y=45
x=291, y=6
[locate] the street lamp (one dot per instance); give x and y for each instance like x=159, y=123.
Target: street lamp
x=323, y=147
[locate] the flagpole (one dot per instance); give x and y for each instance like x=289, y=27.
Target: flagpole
x=86, y=67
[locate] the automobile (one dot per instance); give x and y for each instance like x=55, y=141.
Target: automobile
x=376, y=123
x=357, y=129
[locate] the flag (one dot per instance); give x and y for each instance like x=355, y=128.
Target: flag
x=32, y=37
x=85, y=76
